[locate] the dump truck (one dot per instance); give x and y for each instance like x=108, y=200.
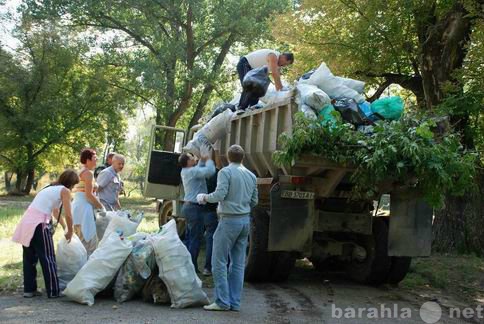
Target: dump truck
x=305, y=210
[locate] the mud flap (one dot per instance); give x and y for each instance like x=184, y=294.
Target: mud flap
x=410, y=232
x=291, y=222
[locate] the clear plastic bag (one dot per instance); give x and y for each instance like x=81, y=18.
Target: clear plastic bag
x=135, y=271
x=176, y=269
x=70, y=258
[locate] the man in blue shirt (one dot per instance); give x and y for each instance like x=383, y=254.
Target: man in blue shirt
x=236, y=194
x=194, y=178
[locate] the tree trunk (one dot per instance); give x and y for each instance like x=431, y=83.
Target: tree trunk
x=29, y=181
x=458, y=227
x=8, y=180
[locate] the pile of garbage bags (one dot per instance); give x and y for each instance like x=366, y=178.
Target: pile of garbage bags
x=320, y=94
x=156, y=267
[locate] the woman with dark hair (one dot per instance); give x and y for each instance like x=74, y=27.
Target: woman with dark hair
x=34, y=233
x=85, y=201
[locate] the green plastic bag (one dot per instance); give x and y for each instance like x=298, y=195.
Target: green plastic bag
x=391, y=108
x=327, y=114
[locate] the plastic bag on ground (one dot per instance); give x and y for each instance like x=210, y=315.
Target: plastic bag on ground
x=312, y=96
x=70, y=258
x=391, y=108
x=120, y=223
x=99, y=270
x=326, y=81
x=135, y=271
x=256, y=81
x=154, y=290
x=176, y=269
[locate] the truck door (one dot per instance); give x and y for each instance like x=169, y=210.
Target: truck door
x=162, y=179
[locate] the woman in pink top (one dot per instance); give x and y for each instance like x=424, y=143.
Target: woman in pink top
x=35, y=236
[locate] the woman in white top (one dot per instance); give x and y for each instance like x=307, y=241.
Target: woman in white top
x=35, y=235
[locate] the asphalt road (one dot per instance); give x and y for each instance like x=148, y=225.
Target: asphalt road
x=307, y=297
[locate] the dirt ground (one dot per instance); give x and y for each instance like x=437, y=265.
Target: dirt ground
x=307, y=297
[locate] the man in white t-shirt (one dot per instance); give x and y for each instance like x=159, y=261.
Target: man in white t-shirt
x=256, y=59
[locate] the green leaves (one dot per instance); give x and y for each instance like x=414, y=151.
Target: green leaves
x=402, y=152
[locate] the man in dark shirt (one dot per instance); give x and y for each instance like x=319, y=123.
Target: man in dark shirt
x=210, y=221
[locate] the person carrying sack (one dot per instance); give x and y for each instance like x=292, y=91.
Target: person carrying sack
x=35, y=231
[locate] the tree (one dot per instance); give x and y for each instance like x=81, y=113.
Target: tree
x=431, y=48
x=51, y=102
x=175, y=49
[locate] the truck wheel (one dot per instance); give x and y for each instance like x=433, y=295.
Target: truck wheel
x=398, y=269
x=258, y=265
x=166, y=214
x=376, y=267
x=282, y=265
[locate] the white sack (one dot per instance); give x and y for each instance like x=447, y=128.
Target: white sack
x=273, y=96
x=99, y=270
x=176, y=269
x=217, y=127
x=326, y=81
x=358, y=86
x=312, y=96
x=70, y=258
x=121, y=224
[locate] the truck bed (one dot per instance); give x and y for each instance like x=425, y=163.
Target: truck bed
x=258, y=131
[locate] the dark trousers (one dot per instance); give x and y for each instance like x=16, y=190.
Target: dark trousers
x=210, y=220
x=41, y=249
x=193, y=214
x=246, y=98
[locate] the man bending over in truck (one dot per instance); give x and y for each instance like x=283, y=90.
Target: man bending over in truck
x=194, y=178
x=236, y=194
x=256, y=59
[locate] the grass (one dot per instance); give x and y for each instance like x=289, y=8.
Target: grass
x=459, y=275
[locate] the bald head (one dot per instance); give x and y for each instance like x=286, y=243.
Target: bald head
x=236, y=154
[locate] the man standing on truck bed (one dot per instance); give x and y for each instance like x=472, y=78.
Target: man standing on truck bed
x=256, y=59
x=236, y=194
x=194, y=178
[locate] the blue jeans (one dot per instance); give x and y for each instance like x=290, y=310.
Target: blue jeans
x=230, y=240
x=210, y=221
x=194, y=217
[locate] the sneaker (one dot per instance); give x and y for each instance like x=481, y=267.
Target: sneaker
x=214, y=307
x=32, y=294
x=207, y=273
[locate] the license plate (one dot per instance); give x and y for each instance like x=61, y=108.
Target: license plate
x=297, y=194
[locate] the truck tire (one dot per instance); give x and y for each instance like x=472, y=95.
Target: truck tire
x=282, y=265
x=258, y=264
x=398, y=269
x=165, y=212
x=165, y=215
x=375, y=268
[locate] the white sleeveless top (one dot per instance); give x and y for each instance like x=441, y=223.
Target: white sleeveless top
x=258, y=58
x=47, y=199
